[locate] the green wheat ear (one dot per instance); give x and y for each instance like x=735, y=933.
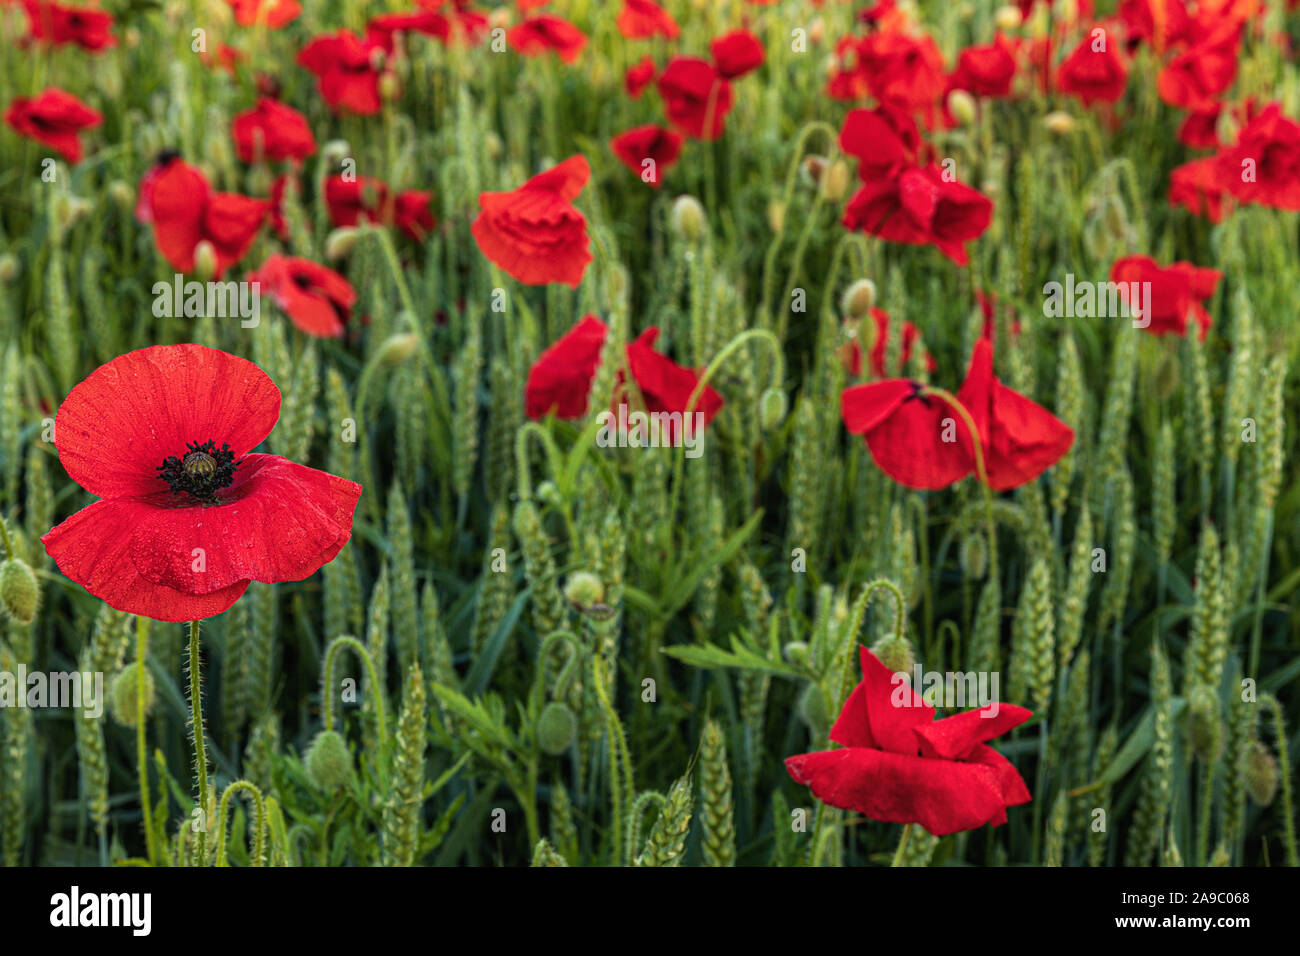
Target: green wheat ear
x=468, y=370
x=1033, y=643
x=564, y=832
x=1069, y=626
x=545, y=855
x=1070, y=408
x=406, y=621
x=716, y=810
x=1157, y=777
x=401, y=814
x=666, y=844
x=1054, y=848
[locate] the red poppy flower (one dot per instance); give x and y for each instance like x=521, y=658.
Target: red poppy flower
x=696, y=98
x=560, y=379
x=664, y=385
x=851, y=353
x=913, y=436
x=1200, y=130
x=345, y=70
x=182, y=208
x=272, y=130
x=1264, y=164
x=893, y=66
x=316, y=299
x=900, y=765
x=1197, y=77
x=642, y=19
x=380, y=29
x=1094, y=75
x=638, y=77
x=1197, y=187
x=884, y=140
x=224, y=57
x=919, y=207
x=55, y=23
x=368, y=199
x=736, y=53
x=1020, y=439
x=187, y=517
x=54, y=118
x=986, y=70
x=272, y=14
x=648, y=142
x=544, y=32
x=534, y=232
x=1160, y=23
x=1177, y=292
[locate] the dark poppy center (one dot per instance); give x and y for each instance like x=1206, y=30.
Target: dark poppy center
x=918, y=392
x=201, y=472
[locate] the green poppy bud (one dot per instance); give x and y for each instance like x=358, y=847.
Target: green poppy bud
x=122, y=693
x=556, y=728
x=687, y=218
x=328, y=762
x=19, y=593
x=858, y=298
x=895, y=653
x=772, y=408
x=1259, y=767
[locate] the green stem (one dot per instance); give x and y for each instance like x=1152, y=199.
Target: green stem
x=9, y=545
x=902, y=845
x=260, y=822
x=327, y=681
x=141, y=749
x=195, y=683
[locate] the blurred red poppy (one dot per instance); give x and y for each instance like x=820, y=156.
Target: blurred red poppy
x=885, y=141
x=736, y=53
x=664, y=385
x=900, y=765
x=1196, y=186
x=55, y=23
x=547, y=32
x=346, y=71
x=177, y=201
x=272, y=130
x=534, y=232
x=1263, y=166
x=560, y=379
x=641, y=19
x=187, y=517
x=639, y=75
x=366, y=199
x=1095, y=71
x=272, y=14
x=919, y=206
x=696, y=98
x=986, y=70
x=1197, y=77
x=55, y=118
x=653, y=143
x=1177, y=292
x=317, y=300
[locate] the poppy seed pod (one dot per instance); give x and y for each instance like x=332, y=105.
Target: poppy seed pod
x=328, y=762
x=772, y=408
x=123, y=691
x=796, y=652
x=776, y=215
x=8, y=267
x=895, y=653
x=122, y=194
x=812, y=169
x=20, y=595
x=858, y=298
x=390, y=87
x=687, y=218
x=1259, y=767
x=584, y=589
x=556, y=728
x=835, y=181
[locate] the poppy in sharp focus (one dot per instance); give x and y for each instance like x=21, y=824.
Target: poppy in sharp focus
x=187, y=517
x=317, y=299
x=534, y=232
x=54, y=118
x=897, y=764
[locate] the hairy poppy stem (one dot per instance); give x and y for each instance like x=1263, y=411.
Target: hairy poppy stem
x=4, y=535
x=200, y=751
x=902, y=845
x=141, y=747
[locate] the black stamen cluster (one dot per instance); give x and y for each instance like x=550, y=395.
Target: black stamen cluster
x=201, y=472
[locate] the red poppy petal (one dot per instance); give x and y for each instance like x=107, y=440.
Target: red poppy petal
x=954, y=737
x=1014, y=791
x=116, y=428
x=852, y=728
x=943, y=796
x=94, y=547
x=894, y=708
x=279, y=521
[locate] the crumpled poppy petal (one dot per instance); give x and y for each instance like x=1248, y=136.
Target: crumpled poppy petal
x=894, y=708
x=955, y=737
